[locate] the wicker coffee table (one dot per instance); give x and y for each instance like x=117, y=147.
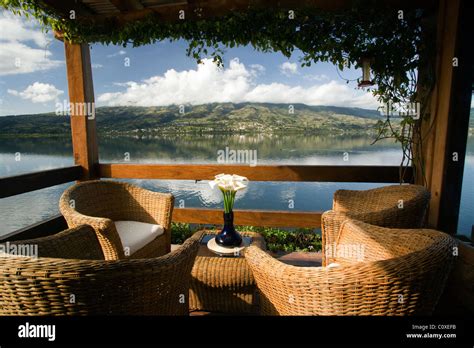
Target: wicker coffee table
x=223, y=284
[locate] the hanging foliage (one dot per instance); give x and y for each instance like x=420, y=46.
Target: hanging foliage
x=391, y=38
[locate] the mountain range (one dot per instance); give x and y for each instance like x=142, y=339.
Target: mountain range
x=207, y=118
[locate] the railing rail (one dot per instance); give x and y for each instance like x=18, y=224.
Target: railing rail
x=267, y=218
x=309, y=173
x=17, y=184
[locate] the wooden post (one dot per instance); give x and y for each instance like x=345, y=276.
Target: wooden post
x=81, y=97
x=446, y=130
x=458, y=123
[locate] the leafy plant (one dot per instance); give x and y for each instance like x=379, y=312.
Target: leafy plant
x=180, y=232
x=302, y=239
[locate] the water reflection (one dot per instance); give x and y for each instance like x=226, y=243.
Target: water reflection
x=46, y=153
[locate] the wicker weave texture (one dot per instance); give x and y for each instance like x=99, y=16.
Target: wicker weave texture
x=403, y=272
x=395, y=206
x=224, y=284
x=73, y=243
x=62, y=286
x=100, y=203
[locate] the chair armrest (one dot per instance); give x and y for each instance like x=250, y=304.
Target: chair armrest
x=291, y=290
x=331, y=222
x=105, y=229
x=75, y=243
x=359, y=241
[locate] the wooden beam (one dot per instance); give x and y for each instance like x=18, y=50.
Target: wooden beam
x=449, y=114
x=81, y=96
x=302, y=219
x=381, y=174
x=458, y=122
x=168, y=12
x=249, y=217
x=44, y=228
x=17, y=184
x=65, y=8
x=127, y=5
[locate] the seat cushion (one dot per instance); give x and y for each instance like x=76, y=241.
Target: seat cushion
x=134, y=235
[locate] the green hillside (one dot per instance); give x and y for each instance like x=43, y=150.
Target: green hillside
x=207, y=118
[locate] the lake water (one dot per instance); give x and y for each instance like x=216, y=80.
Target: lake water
x=25, y=155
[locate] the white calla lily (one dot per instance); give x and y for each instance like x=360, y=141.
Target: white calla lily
x=229, y=185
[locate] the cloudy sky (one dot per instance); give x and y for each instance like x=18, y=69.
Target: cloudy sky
x=33, y=75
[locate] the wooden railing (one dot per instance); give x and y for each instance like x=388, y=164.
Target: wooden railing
x=17, y=184
x=376, y=174
x=268, y=218
x=14, y=185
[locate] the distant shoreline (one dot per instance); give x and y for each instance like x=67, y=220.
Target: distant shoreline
x=148, y=134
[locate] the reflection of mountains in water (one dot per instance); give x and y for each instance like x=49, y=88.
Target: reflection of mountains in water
x=189, y=147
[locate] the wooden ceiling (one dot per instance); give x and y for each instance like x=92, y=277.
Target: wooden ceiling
x=168, y=10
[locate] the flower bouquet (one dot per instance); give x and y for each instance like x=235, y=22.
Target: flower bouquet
x=229, y=185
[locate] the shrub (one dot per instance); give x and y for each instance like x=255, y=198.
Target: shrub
x=302, y=239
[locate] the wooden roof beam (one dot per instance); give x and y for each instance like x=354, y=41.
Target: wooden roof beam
x=168, y=12
x=127, y=5
x=64, y=7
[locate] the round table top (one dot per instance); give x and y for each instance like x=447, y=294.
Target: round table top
x=225, y=251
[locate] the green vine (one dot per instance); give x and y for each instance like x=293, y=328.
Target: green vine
x=393, y=39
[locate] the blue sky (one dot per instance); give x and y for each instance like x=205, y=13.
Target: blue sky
x=33, y=75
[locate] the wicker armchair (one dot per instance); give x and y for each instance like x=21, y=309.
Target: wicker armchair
x=381, y=272
x=100, y=203
x=396, y=206
x=57, y=283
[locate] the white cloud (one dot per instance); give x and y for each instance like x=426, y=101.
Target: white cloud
x=15, y=28
x=472, y=102
x=17, y=56
x=38, y=92
x=236, y=83
x=119, y=53
x=96, y=66
x=257, y=69
x=289, y=69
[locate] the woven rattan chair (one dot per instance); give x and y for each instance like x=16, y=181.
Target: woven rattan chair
x=381, y=272
x=100, y=203
x=58, y=283
x=396, y=206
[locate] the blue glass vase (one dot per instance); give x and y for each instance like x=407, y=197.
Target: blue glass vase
x=229, y=237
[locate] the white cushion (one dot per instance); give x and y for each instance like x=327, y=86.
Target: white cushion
x=134, y=235
x=333, y=265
